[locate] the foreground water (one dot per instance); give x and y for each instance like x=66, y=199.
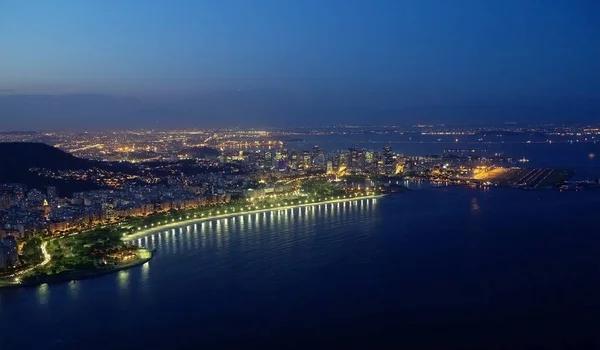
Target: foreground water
x=448, y=267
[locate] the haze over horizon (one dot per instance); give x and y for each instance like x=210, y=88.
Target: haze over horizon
x=151, y=64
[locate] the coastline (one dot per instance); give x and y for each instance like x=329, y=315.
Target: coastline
x=152, y=230
x=87, y=274
x=35, y=281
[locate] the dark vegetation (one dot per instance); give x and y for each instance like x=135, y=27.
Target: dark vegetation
x=31, y=252
x=82, y=251
x=321, y=188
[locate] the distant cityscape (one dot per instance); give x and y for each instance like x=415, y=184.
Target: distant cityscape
x=151, y=145
x=143, y=173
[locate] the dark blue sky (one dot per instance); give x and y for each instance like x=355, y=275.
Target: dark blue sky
x=273, y=62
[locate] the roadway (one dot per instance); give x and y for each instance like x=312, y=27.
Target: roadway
x=44, y=262
x=149, y=230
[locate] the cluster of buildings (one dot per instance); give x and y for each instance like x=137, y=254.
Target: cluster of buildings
x=9, y=252
x=266, y=171
x=24, y=212
x=282, y=162
x=290, y=161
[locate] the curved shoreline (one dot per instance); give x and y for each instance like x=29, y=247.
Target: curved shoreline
x=87, y=274
x=77, y=275
x=152, y=230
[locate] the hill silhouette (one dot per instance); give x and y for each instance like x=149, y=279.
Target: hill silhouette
x=16, y=158
x=24, y=155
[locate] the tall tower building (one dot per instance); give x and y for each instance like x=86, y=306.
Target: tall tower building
x=52, y=193
x=388, y=159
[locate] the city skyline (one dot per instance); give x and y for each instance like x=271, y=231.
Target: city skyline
x=292, y=174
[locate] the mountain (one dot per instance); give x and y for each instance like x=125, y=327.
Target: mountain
x=16, y=158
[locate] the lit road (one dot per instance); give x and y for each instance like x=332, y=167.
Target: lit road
x=150, y=230
x=46, y=260
x=47, y=256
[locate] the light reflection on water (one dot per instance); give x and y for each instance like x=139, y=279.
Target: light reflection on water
x=123, y=281
x=287, y=263
x=219, y=231
x=43, y=294
x=145, y=272
x=74, y=289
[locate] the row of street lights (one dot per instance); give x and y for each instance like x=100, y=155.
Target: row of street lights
x=255, y=207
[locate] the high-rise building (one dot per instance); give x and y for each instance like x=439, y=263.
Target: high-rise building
x=319, y=161
x=47, y=209
x=35, y=198
x=343, y=159
x=9, y=252
x=52, y=193
x=306, y=160
x=388, y=159
x=387, y=153
x=5, y=201
x=329, y=167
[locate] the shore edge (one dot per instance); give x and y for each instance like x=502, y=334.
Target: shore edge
x=78, y=275
x=152, y=230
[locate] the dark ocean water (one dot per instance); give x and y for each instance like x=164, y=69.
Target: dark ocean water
x=433, y=268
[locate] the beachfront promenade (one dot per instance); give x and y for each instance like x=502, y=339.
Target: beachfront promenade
x=227, y=214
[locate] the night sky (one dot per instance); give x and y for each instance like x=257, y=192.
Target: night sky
x=165, y=64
